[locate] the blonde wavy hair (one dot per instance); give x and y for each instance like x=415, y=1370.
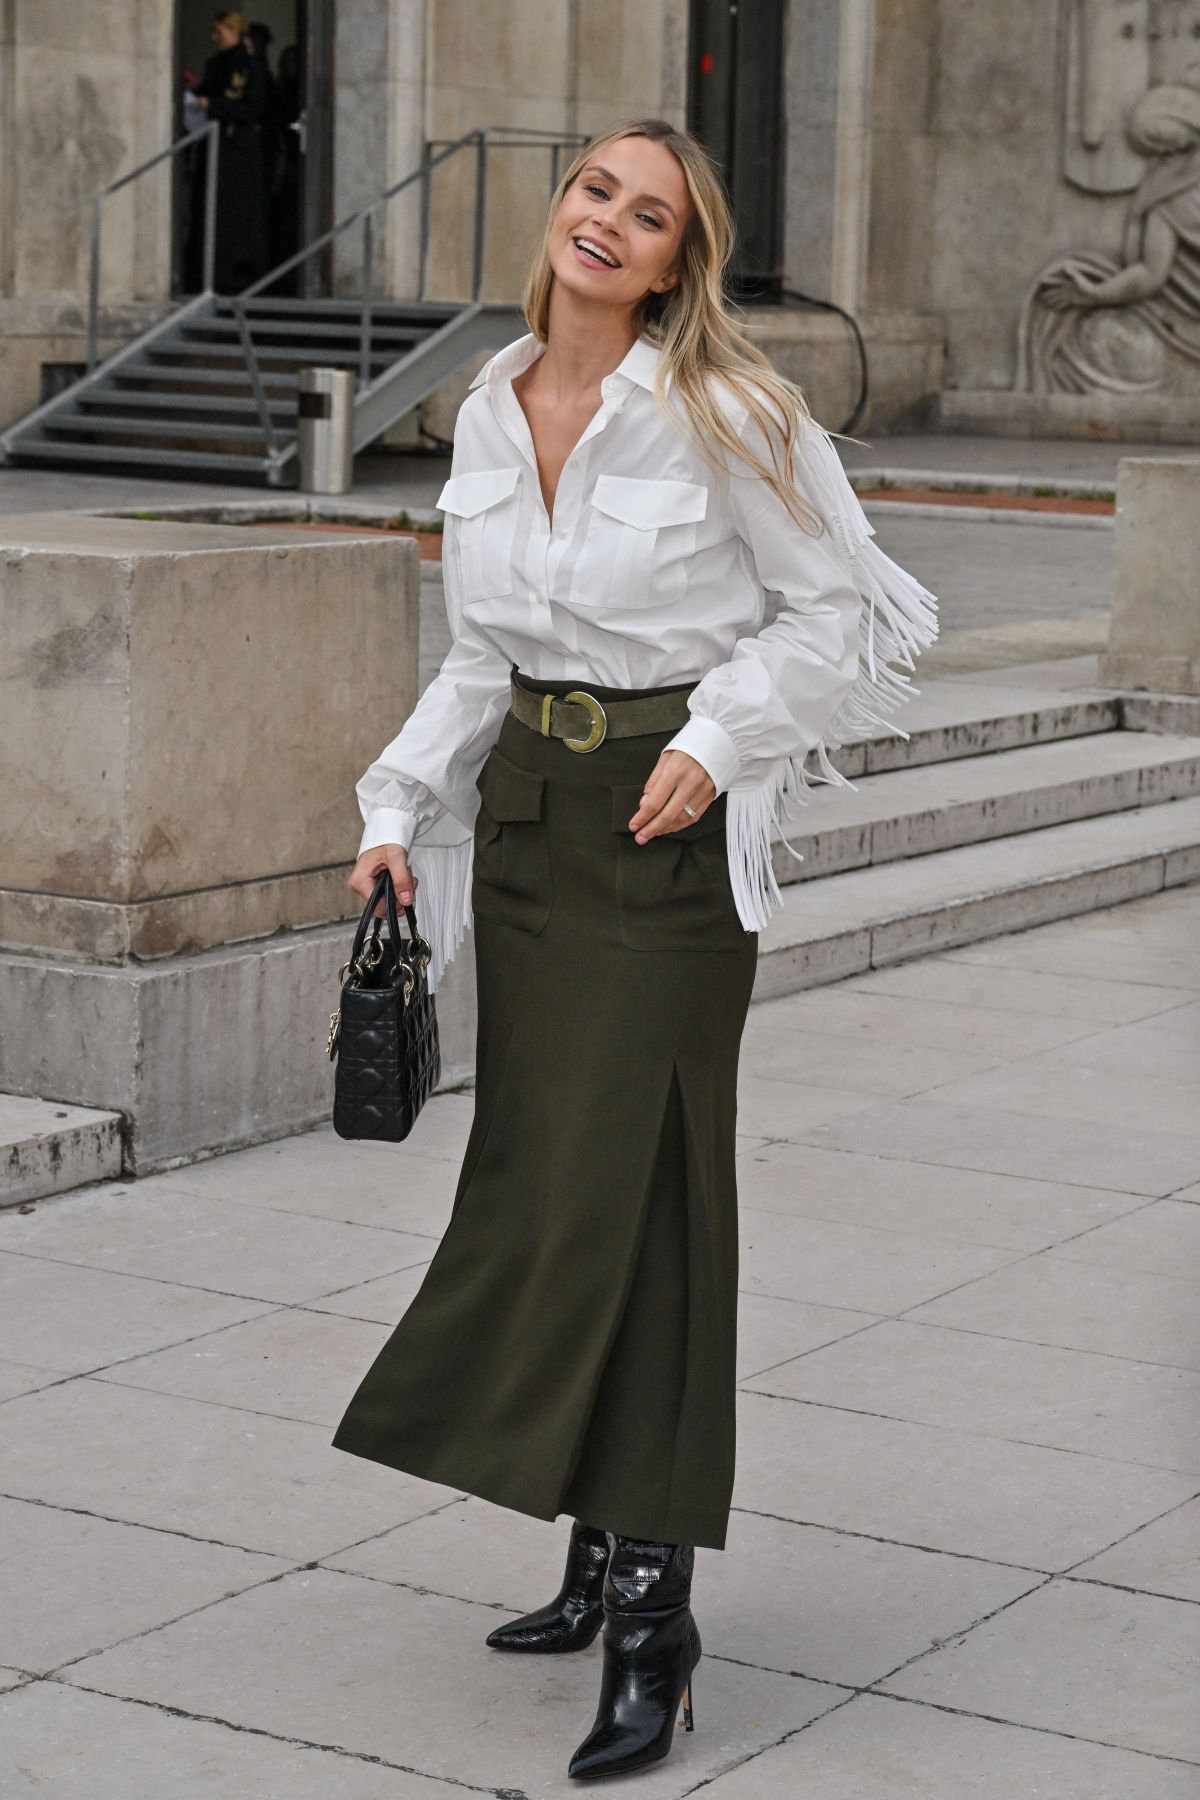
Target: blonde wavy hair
x=693, y=326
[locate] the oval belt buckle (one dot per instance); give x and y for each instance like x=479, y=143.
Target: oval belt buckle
x=599, y=726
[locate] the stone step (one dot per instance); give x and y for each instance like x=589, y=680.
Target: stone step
x=47, y=1146
x=866, y=918
x=950, y=719
x=937, y=806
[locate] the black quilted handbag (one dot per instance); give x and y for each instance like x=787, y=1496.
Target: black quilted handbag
x=384, y=1035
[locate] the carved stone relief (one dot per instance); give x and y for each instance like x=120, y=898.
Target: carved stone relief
x=1131, y=126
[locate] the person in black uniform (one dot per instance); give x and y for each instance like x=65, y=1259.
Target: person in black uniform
x=233, y=92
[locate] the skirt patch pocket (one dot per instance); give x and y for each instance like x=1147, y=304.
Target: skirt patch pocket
x=511, y=882
x=674, y=892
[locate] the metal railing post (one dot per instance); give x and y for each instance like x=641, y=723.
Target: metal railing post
x=426, y=185
x=94, y=285
x=364, y=343
x=480, y=203
x=212, y=161
x=252, y=369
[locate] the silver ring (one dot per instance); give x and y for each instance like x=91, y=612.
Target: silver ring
x=689, y=810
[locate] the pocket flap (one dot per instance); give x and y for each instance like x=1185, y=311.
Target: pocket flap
x=468, y=494
x=649, y=504
x=508, y=791
x=627, y=797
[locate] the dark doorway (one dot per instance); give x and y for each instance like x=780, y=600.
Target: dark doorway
x=295, y=46
x=735, y=108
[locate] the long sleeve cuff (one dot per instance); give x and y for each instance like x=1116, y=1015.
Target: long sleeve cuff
x=711, y=746
x=388, y=825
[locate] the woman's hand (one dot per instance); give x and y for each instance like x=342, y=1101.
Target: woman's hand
x=365, y=873
x=675, y=778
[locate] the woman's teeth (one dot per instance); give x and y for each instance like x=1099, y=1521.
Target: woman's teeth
x=585, y=248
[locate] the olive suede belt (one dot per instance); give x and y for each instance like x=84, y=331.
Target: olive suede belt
x=583, y=722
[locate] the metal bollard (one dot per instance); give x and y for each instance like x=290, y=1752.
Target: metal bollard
x=325, y=431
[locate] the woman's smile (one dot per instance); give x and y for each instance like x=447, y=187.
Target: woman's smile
x=593, y=254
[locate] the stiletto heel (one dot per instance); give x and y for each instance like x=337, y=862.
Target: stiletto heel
x=687, y=1707
x=575, y=1615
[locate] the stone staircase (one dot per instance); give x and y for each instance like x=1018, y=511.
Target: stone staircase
x=1008, y=806
x=1018, y=797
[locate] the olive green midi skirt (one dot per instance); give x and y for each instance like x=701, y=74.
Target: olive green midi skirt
x=572, y=1345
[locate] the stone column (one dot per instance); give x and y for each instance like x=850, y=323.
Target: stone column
x=186, y=711
x=1154, y=632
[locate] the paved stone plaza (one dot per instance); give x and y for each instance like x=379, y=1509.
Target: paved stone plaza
x=962, y=1555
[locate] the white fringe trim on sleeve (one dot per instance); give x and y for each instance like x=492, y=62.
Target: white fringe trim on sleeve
x=443, y=903
x=899, y=619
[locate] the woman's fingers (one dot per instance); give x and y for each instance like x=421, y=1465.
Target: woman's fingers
x=677, y=779
x=366, y=870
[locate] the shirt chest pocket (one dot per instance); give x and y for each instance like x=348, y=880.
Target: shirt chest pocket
x=484, y=505
x=639, y=537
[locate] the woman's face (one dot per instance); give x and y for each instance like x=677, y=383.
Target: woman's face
x=632, y=203
x=224, y=36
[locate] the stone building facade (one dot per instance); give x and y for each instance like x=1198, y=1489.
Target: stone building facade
x=957, y=175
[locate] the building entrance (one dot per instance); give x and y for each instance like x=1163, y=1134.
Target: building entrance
x=271, y=91
x=735, y=108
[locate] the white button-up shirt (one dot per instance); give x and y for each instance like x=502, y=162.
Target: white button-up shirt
x=654, y=570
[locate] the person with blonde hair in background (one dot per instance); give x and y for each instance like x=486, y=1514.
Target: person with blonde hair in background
x=593, y=777
x=232, y=92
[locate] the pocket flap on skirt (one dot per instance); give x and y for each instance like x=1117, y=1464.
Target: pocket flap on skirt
x=508, y=791
x=627, y=797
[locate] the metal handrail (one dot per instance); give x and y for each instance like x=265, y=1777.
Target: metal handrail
x=505, y=137
x=212, y=135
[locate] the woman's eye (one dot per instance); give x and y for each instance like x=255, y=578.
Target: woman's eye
x=592, y=187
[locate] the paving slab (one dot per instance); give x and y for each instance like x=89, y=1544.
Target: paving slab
x=1048, y=1085
x=204, y=1471
x=1089, y=952
x=785, y=1052
x=383, y=1299
x=929, y=1130
x=792, y=1598
x=11, y=1678
x=771, y=1330
x=354, y=1182
x=1159, y=1558
x=801, y=1258
x=86, y=1583
x=23, y=1378
x=773, y=1109
x=385, y=1671
x=876, y=1748
x=1054, y=1299
x=71, y=1318
x=1094, y=1662
x=1030, y=1393
x=60, y=1741
x=938, y=1488
x=1160, y=1239
x=207, y=1243
x=288, y=1364
x=893, y=1195
x=871, y=1019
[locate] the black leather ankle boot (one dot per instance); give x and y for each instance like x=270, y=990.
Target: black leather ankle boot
x=651, y=1645
x=575, y=1615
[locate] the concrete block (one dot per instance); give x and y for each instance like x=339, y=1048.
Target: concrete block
x=1154, y=630
x=210, y=695
x=46, y=1147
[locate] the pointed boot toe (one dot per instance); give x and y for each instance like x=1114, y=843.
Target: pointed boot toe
x=575, y=1615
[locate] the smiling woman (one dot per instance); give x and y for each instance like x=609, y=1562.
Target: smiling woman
x=592, y=777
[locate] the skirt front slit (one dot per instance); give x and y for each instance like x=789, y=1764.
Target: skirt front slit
x=572, y=1345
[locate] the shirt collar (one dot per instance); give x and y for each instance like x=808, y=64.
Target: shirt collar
x=637, y=368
